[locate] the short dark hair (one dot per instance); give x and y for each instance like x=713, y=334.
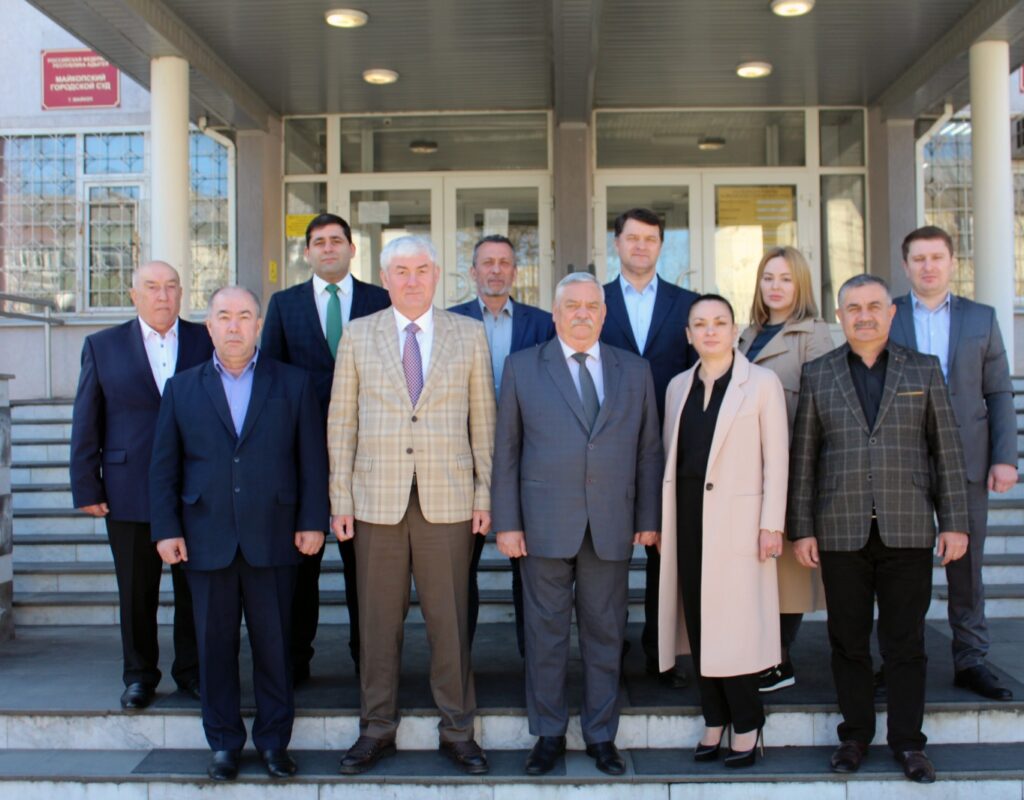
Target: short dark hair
x=644, y=215
x=927, y=232
x=709, y=297
x=322, y=221
x=499, y=239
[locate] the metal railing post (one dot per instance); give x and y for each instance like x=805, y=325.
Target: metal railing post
x=48, y=354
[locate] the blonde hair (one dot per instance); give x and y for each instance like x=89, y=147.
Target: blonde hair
x=804, y=306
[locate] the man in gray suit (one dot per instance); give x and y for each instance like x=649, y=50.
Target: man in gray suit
x=576, y=484
x=875, y=457
x=965, y=337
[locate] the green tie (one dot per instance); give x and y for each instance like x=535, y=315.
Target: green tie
x=333, y=319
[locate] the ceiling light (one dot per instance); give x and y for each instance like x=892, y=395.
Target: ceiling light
x=422, y=146
x=709, y=143
x=346, y=17
x=380, y=77
x=791, y=8
x=754, y=69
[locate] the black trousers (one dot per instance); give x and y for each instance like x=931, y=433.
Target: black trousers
x=901, y=581
x=652, y=583
x=221, y=596
x=474, y=594
x=306, y=605
x=137, y=567
x=734, y=700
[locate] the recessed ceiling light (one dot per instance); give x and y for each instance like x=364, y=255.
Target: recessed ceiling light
x=380, y=77
x=711, y=143
x=791, y=8
x=422, y=146
x=346, y=17
x=754, y=69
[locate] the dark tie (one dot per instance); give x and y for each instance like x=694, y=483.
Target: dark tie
x=412, y=363
x=333, y=319
x=588, y=392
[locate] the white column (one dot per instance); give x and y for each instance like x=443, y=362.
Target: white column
x=169, y=220
x=994, y=278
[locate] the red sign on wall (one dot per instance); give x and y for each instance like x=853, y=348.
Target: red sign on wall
x=79, y=79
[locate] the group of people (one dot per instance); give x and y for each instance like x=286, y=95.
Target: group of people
x=766, y=474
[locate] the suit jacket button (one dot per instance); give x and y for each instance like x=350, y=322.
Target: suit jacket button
x=873, y=440
x=414, y=419
x=590, y=446
x=237, y=459
x=238, y=489
x=870, y=477
x=408, y=450
x=709, y=486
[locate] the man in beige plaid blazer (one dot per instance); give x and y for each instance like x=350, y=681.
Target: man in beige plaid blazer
x=410, y=433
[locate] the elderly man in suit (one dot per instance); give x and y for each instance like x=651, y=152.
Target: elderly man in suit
x=965, y=337
x=237, y=496
x=510, y=327
x=303, y=327
x=577, y=483
x=124, y=370
x=410, y=435
x=648, y=316
x=875, y=458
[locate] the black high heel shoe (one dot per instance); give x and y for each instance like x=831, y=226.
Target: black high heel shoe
x=745, y=758
x=709, y=752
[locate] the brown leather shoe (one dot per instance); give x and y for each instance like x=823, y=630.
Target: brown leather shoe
x=848, y=755
x=468, y=755
x=916, y=765
x=366, y=752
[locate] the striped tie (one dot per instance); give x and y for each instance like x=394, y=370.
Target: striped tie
x=412, y=363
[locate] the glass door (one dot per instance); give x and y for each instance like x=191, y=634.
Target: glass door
x=112, y=217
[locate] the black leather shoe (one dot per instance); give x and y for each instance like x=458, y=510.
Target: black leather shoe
x=279, y=763
x=916, y=766
x=544, y=754
x=223, y=765
x=466, y=755
x=191, y=689
x=366, y=752
x=606, y=754
x=137, y=695
x=848, y=756
x=980, y=680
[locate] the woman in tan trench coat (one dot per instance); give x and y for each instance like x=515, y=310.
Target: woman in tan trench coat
x=723, y=511
x=784, y=334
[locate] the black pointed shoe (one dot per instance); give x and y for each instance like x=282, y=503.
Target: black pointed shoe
x=467, y=755
x=279, y=764
x=607, y=757
x=980, y=680
x=916, y=766
x=545, y=753
x=223, y=765
x=137, y=695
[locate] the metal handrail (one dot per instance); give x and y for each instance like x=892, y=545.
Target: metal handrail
x=48, y=321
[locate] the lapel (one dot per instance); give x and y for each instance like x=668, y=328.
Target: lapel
x=387, y=345
x=137, y=349
x=893, y=372
x=612, y=374
x=663, y=301
x=214, y=388
x=187, y=342
x=844, y=382
x=440, y=353
x=261, y=380
x=905, y=321
x=312, y=316
x=619, y=315
x=552, y=356
x=358, y=301
x=520, y=323
x=734, y=394
x=956, y=322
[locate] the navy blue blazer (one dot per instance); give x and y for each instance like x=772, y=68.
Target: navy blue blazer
x=292, y=332
x=115, y=413
x=253, y=491
x=530, y=325
x=666, y=349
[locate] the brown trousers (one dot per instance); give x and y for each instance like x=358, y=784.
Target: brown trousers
x=437, y=556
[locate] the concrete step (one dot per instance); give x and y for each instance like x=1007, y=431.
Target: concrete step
x=78, y=547
x=56, y=521
x=56, y=408
x=54, y=430
x=47, y=496
x=39, y=472
x=38, y=450
x=1004, y=539
x=1007, y=568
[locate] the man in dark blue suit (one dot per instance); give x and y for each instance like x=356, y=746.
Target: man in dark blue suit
x=124, y=370
x=303, y=327
x=510, y=327
x=647, y=316
x=237, y=495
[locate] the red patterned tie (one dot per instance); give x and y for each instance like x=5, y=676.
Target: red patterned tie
x=412, y=363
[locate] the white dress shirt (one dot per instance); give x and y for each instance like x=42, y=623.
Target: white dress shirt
x=593, y=365
x=321, y=295
x=425, y=337
x=639, y=308
x=162, y=352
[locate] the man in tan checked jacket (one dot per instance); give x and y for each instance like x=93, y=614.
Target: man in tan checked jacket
x=410, y=433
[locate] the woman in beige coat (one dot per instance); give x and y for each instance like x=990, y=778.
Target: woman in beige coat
x=784, y=334
x=723, y=511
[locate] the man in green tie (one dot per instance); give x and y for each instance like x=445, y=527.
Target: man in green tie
x=304, y=325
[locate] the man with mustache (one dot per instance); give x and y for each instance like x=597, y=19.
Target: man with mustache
x=875, y=457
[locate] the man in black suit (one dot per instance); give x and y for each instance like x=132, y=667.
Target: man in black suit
x=237, y=495
x=303, y=327
x=648, y=316
x=510, y=327
x=124, y=370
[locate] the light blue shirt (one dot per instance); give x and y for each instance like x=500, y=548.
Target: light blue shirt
x=639, y=308
x=499, y=338
x=238, y=390
x=932, y=330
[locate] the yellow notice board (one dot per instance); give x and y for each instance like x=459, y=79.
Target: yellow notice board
x=756, y=205
x=295, y=225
